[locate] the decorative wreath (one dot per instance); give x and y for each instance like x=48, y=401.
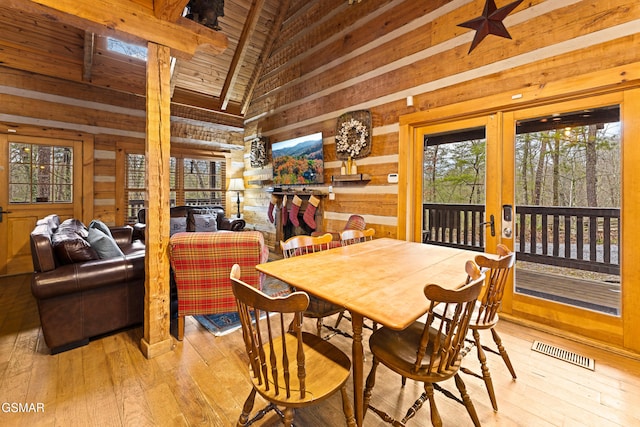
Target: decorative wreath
x=353, y=135
x=360, y=141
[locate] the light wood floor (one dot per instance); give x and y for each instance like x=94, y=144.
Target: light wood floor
x=204, y=381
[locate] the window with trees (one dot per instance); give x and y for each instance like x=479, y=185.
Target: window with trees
x=570, y=159
x=40, y=173
x=135, y=184
x=193, y=181
x=454, y=167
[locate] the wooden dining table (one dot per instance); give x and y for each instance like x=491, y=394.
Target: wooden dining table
x=382, y=280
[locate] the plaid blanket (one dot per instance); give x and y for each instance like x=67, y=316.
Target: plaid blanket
x=201, y=264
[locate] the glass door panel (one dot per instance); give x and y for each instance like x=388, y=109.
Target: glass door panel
x=568, y=197
x=453, y=190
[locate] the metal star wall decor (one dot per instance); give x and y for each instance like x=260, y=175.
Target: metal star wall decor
x=490, y=22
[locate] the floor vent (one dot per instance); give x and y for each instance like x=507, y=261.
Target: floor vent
x=567, y=356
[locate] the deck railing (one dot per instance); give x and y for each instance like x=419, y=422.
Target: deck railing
x=455, y=225
x=135, y=205
x=580, y=238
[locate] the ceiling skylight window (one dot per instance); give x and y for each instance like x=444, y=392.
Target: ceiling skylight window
x=132, y=50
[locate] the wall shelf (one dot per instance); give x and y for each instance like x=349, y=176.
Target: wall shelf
x=358, y=177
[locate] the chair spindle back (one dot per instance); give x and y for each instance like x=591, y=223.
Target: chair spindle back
x=446, y=338
x=497, y=274
x=303, y=244
x=350, y=237
x=276, y=368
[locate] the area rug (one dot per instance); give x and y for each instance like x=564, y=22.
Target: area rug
x=225, y=323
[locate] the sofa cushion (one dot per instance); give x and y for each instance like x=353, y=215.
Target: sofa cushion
x=104, y=245
x=205, y=221
x=177, y=225
x=53, y=221
x=69, y=247
x=75, y=226
x=96, y=223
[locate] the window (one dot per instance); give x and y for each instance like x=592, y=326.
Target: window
x=135, y=185
x=132, y=50
x=193, y=182
x=40, y=173
x=203, y=182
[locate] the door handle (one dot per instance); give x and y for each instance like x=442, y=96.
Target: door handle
x=490, y=223
x=3, y=212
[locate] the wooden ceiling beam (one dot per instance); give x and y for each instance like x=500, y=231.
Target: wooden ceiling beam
x=198, y=100
x=122, y=18
x=264, y=55
x=169, y=10
x=243, y=43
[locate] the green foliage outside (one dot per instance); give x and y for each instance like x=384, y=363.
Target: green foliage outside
x=291, y=170
x=573, y=167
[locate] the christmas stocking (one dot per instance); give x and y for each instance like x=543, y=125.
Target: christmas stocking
x=285, y=215
x=310, y=213
x=295, y=208
x=272, y=204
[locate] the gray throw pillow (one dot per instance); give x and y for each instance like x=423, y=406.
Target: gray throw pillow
x=178, y=225
x=104, y=245
x=96, y=223
x=205, y=222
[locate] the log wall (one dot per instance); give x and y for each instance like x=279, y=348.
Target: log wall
x=35, y=105
x=332, y=57
x=68, y=82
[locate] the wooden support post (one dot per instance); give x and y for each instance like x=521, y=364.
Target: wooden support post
x=157, y=339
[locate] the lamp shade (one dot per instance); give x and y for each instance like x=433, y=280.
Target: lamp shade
x=236, y=184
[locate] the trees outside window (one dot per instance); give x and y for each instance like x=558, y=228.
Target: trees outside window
x=193, y=181
x=40, y=173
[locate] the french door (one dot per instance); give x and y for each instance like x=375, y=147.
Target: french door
x=565, y=161
x=598, y=233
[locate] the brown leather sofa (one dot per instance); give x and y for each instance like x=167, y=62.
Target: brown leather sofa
x=190, y=217
x=79, y=294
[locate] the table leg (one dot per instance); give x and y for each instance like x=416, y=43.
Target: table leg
x=357, y=353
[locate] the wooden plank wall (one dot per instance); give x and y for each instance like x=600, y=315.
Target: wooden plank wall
x=332, y=57
x=38, y=99
x=38, y=103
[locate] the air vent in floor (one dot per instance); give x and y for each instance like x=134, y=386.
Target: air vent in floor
x=567, y=356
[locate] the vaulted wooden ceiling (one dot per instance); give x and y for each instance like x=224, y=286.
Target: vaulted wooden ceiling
x=213, y=70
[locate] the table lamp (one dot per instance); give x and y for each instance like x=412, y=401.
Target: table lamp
x=236, y=184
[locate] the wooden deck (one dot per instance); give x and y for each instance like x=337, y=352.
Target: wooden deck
x=590, y=294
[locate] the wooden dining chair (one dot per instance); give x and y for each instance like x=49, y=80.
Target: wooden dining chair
x=429, y=352
x=349, y=237
x=485, y=314
x=289, y=369
x=318, y=308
